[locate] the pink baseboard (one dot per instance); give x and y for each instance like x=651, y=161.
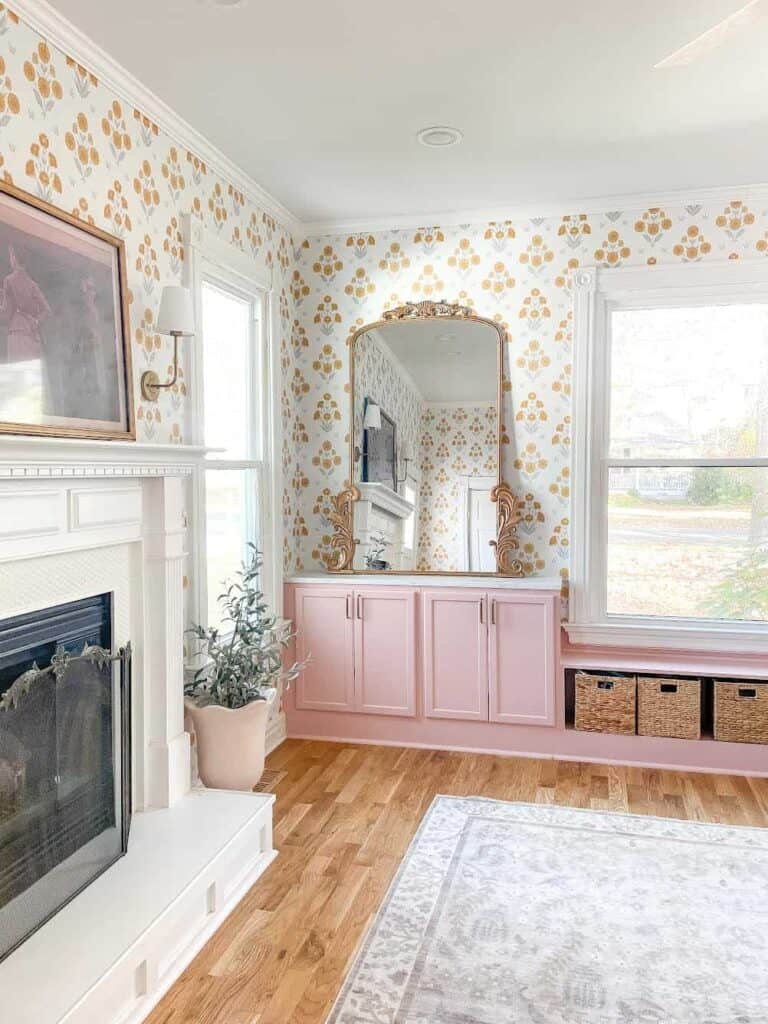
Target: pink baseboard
x=532, y=741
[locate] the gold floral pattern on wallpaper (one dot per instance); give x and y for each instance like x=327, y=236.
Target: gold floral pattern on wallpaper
x=518, y=274
x=65, y=138
x=456, y=442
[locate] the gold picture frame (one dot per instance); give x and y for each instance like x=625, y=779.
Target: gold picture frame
x=64, y=325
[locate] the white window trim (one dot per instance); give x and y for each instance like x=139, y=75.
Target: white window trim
x=596, y=292
x=208, y=257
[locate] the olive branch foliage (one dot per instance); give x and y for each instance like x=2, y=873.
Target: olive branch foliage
x=243, y=658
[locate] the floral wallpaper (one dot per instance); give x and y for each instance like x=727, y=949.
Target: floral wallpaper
x=518, y=273
x=67, y=139
x=456, y=441
x=378, y=376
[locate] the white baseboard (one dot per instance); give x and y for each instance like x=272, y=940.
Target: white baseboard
x=277, y=733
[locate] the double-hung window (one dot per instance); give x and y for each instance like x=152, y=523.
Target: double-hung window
x=670, y=538
x=231, y=485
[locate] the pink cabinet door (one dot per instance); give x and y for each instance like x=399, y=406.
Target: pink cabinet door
x=455, y=654
x=522, y=635
x=385, y=651
x=325, y=628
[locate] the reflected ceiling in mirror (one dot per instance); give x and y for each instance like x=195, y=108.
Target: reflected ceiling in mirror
x=425, y=444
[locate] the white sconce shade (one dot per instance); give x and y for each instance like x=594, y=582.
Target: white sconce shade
x=177, y=312
x=406, y=453
x=372, y=418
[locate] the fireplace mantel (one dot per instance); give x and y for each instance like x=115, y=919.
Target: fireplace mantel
x=81, y=517
x=32, y=458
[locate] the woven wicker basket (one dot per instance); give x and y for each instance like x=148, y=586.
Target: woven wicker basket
x=606, y=703
x=741, y=712
x=669, y=707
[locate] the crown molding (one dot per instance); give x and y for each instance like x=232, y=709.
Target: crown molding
x=40, y=16
x=546, y=208
x=60, y=32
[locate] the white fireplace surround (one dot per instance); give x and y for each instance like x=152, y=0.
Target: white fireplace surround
x=79, y=518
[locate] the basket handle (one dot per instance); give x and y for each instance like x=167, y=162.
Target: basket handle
x=604, y=684
x=668, y=688
x=749, y=692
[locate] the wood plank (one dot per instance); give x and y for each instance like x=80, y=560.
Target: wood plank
x=344, y=817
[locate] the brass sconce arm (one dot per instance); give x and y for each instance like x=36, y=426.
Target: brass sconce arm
x=150, y=382
x=176, y=317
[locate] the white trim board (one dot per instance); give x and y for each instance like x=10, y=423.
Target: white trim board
x=210, y=258
x=754, y=193
x=62, y=33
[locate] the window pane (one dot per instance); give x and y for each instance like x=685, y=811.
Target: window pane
x=690, y=543
x=226, y=339
x=230, y=522
x=689, y=382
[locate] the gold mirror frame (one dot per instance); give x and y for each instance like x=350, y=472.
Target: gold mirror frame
x=340, y=558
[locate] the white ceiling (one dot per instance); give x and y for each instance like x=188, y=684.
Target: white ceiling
x=447, y=360
x=320, y=102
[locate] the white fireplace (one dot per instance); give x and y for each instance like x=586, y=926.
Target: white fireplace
x=79, y=519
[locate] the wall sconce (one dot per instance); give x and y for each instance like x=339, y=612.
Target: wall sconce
x=372, y=417
x=177, y=318
x=406, y=456
x=371, y=421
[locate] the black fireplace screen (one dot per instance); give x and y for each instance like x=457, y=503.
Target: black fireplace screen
x=64, y=760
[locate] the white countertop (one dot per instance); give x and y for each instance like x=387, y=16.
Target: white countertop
x=385, y=579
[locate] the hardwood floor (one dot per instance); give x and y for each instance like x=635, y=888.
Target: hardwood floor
x=344, y=817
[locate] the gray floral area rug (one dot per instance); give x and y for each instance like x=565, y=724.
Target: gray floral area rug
x=507, y=913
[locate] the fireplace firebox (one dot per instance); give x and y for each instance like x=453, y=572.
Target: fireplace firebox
x=65, y=800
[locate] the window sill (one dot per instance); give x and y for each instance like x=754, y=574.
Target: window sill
x=684, y=636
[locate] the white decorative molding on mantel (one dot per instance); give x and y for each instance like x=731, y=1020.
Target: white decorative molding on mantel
x=383, y=497
x=28, y=458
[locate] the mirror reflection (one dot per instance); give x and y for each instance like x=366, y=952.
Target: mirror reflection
x=426, y=445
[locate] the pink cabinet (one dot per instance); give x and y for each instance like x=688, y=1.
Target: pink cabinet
x=522, y=638
x=489, y=656
x=455, y=654
x=385, y=651
x=361, y=646
x=482, y=655
x=325, y=633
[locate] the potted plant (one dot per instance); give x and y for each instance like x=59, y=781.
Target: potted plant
x=230, y=696
x=374, y=560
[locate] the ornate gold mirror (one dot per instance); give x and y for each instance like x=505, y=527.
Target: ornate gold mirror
x=426, y=492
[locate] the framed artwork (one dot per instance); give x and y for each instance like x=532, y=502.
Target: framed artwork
x=65, y=360
x=380, y=446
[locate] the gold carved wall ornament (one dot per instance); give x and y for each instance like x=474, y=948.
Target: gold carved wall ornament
x=421, y=310
x=506, y=543
x=343, y=542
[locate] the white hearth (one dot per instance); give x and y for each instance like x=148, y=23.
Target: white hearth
x=84, y=518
